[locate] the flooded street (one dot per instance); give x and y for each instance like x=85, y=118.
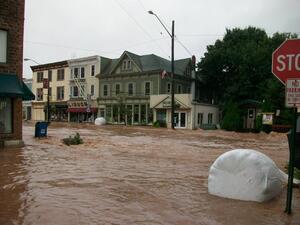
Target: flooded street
x=131, y=175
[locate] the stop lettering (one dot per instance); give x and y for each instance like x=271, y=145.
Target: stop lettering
x=286, y=60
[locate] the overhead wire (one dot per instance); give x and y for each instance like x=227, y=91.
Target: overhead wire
x=92, y=50
x=140, y=26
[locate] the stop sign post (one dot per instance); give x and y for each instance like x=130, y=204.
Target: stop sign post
x=286, y=67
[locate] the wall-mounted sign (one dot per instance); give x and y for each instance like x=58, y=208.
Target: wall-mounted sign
x=267, y=118
x=167, y=104
x=292, y=93
x=77, y=104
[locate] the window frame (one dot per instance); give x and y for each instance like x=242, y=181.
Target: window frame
x=39, y=94
x=200, y=115
x=49, y=75
x=73, y=90
x=6, y=49
x=60, y=74
x=145, y=88
x=179, y=89
x=169, y=87
x=11, y=102
x=39, y=76
x=105, y=90
x=92, y=89
x=127, y=65
x=82, y=72
x=128, y=89
x=209, y=118
x=117, y=91
x=60, y=96
x=93, y=70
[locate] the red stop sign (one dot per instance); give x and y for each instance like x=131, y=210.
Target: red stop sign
x=286, y=60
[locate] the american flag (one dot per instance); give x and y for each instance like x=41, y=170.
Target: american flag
x=164, y=74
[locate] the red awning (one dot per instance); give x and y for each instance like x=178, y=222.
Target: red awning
x=81, y=110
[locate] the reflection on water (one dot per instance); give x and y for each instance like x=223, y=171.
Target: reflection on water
x=128, y=175
x=13, y=184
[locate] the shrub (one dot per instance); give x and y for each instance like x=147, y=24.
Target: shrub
x=258, y=123
x=159, y=123
x=73, y=140
x=296, y=171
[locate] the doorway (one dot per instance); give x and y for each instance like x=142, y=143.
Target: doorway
x=180, y=119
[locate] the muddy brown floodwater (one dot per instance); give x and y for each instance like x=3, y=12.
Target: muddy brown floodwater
x=131, y=175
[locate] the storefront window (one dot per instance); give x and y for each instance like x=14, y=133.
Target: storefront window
x=5, y=115
x=108, y=113
x=143, y=114
x=136, y=113
x=149, y=114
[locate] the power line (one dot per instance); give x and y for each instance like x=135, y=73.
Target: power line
x=176, y=38
x=140, y=26
x=146, y=11
x=93, y=50
x=182, y=45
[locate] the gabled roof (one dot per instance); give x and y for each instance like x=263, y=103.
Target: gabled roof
x=147, y=63
x=182, y=105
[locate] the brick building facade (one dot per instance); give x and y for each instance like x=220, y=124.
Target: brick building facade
x=11, y=63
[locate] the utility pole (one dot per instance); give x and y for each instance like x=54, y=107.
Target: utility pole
x=172, y=70
x=172, y=67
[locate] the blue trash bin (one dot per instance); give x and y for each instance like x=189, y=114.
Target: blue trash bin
x=41, y=129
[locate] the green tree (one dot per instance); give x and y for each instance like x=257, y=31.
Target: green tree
x=238, y=67
x=232, y=120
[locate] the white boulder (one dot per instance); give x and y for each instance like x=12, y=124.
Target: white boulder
x=245, y=174
x=100, y=121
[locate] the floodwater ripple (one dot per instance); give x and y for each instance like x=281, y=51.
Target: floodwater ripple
x=130, y=175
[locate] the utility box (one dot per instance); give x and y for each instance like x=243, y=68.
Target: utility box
x=41, y=129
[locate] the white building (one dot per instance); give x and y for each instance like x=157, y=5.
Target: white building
x=84, y=88
x=188, y=114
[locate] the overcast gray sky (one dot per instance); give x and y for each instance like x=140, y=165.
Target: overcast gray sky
x=63, y=29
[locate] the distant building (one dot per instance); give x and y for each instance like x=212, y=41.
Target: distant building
x=12, y=89
x=127, y=83
x=58, y=75
x=84, y=88
x=73, y=89
x=189, y=114
x=27, y=103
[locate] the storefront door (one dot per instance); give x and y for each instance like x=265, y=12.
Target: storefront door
x=180, y=119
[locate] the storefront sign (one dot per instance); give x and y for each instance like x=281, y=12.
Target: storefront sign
x=77, y=104
x=267, y=118
x=167, y=104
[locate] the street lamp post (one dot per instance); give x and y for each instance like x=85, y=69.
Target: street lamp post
x=47, y=116
x=172, y=67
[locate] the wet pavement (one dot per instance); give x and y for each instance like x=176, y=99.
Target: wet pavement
x=131, y=175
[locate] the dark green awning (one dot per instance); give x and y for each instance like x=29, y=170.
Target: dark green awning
x=11, y=86
x=28, y=95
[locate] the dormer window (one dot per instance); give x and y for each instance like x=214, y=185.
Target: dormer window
x=127, y=65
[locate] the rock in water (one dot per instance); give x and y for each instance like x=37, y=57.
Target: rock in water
x=100, y=121
x=245, y=174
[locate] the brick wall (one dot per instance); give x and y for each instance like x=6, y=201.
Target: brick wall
x=12, y=20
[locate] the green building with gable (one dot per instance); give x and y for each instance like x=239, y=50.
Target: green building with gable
x=126, y=83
